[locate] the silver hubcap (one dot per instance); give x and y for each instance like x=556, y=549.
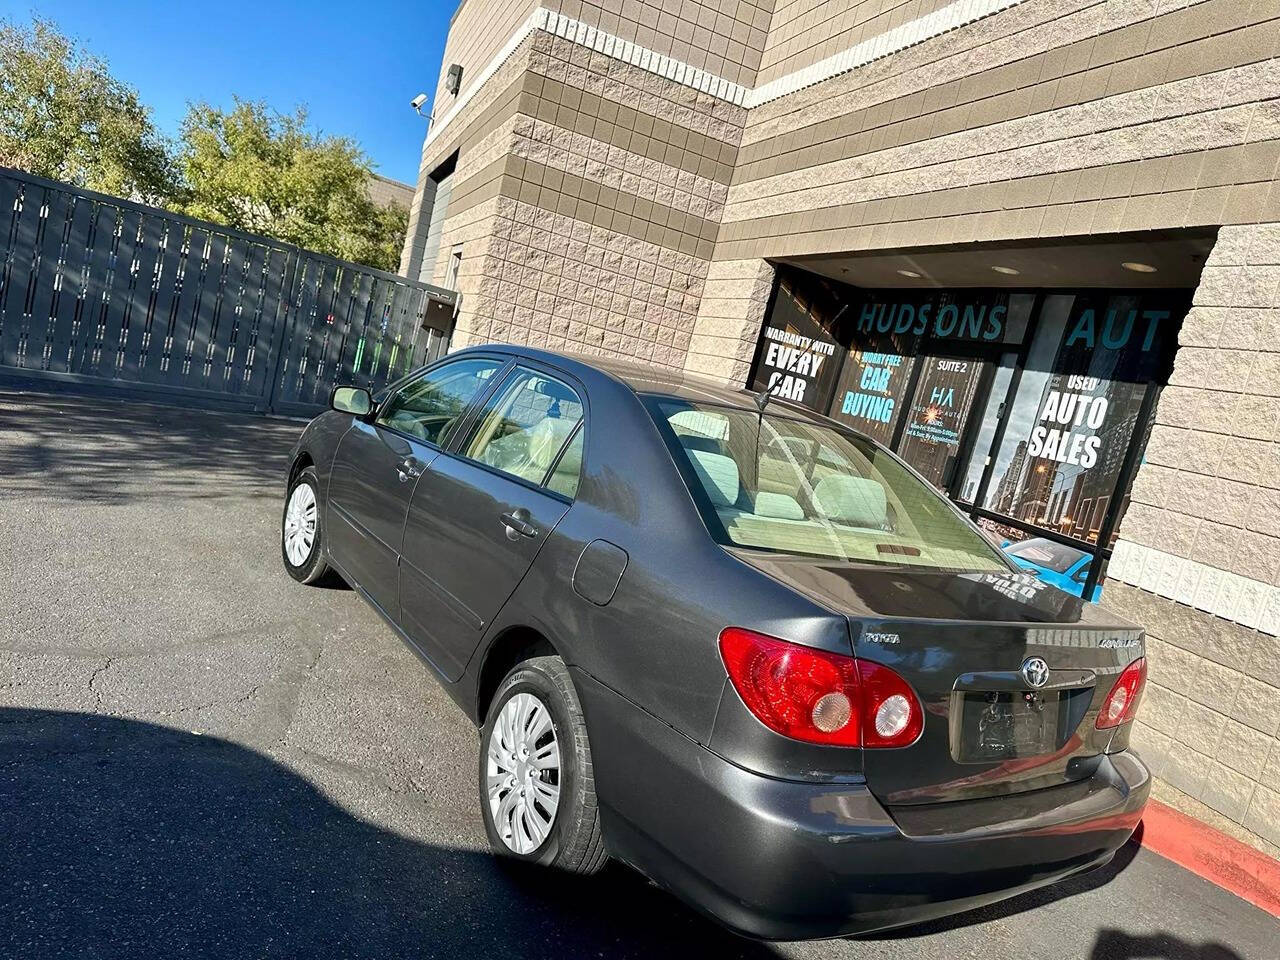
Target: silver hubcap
x=300, y=524
x=523, y=769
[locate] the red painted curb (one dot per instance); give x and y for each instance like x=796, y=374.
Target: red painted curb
x=1248, y=873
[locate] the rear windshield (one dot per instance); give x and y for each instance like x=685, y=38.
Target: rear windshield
x=789, y=486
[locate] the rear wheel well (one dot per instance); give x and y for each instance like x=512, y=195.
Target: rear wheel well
x=513, y=646
x=301, y=463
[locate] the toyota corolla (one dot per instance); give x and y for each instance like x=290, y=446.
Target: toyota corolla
x=724, y=640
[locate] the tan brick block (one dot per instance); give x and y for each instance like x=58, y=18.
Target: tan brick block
x=1263, y=816
x=1244, y=749
x=1189, y=493
x=1186, y=769
x=1249, y=461
x=1201, y=327
x=1264, y=375
x=1207, y=205
x=1151, y=485
x=1270, y=777
x=1162, y=708
x=1238, y=287
x=1243, y=552
x=1264, y=245
x=1264, y=664
x=1257, y=703
x=1170, y=666
x=1231, y=248
x=1200, y=726
x=1205, y=682
x=1194, y=367
x=1204, y=452
x=1227, y=791
x=1152, y=746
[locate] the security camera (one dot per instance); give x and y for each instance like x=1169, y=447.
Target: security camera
x=418, y=102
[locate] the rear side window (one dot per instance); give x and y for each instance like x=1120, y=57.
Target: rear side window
x=564, y=478
x=524, y=427
x=429, y=406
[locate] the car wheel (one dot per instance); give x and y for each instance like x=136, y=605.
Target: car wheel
x=300, y=531
x=537, y=791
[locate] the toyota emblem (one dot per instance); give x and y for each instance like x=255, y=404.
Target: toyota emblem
x=1035, y=671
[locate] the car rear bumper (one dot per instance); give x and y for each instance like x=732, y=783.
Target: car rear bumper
x=785, y=860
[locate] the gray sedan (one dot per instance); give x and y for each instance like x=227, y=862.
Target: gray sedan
x=729, y=642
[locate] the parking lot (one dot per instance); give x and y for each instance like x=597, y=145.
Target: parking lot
x=200, y=757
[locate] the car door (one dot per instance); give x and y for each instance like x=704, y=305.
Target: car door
x=378, y=461
x=480, y=515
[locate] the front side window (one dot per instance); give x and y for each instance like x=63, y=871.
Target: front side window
x=525, y=425
x=790, y=486
x=428, y=407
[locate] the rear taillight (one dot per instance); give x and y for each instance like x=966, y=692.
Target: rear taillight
x=893, y=716
x=1122, y=702
x=820, y=697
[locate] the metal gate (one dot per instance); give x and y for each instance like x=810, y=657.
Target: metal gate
x=108, y=293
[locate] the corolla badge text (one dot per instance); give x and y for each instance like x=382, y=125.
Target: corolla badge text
x=1118, y=643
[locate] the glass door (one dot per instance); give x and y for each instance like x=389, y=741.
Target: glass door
x=937, y=424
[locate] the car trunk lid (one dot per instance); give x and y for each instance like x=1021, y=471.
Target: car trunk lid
x=966, y=643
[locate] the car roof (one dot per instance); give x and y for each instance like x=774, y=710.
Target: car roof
x=647, y=378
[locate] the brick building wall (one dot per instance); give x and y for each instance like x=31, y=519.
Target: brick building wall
x=1209, y=495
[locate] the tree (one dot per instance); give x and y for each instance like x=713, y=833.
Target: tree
x=63, y=116
x=266, y=172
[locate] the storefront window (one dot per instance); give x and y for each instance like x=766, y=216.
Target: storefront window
x=797, y=357
x=939, y=413
x=870, y=394
x=1093, y=359
x=1032, y=437
x=987, y=427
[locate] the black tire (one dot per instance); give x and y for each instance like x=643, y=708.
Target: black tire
x=314, y=568
x=574, y=843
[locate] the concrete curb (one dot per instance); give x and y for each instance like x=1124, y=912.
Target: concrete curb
x=1222, y=860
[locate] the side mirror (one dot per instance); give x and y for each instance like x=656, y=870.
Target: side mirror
x=353, y=400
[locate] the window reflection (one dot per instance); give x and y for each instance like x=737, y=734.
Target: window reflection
x=1076, y=411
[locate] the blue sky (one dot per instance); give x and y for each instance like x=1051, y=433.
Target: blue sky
x=355, y=65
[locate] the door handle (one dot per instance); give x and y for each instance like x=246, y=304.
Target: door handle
x=408, y=468
x=517, y=525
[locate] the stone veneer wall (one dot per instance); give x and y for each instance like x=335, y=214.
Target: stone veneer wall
x=1210, y=490
x=599, y=201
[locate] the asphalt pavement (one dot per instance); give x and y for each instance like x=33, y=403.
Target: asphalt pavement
x=200, y=757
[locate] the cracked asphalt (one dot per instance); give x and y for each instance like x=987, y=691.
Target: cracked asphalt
x=200, y=757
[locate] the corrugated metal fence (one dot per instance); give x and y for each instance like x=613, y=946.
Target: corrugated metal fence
x=107, y=293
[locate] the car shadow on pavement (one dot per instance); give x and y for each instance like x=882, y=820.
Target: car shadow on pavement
x=126, y=839
x=109, y=450
x=1118, y=945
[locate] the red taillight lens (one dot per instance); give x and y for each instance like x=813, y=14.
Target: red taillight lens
x=892, y=715
x=1122, y=702
x=820, y=697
